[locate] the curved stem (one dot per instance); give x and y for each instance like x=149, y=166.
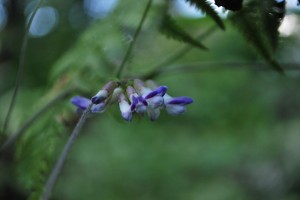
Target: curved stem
x=206, y=66
x=34, y=117
x=59, y=164
x=20, y=67
x=121, y=68
x=179, y=54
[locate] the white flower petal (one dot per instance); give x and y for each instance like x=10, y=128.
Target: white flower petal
x=153, y=114
x=175, y=109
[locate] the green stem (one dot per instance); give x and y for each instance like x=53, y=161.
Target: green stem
x=20, y=67
x=206, y=66
x=179, y=54
x=35, y=117
x=59, y=164
x=122, y=65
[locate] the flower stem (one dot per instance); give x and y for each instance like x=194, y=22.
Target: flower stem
x=20, y=67
x=15, y=136
x=122, y=65
x=59, y=164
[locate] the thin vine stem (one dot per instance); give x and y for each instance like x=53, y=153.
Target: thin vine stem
x=21, y=66
x=59, y=164
x=15, y=136
x=122, y=65
x=208, y=66
x=179, y=54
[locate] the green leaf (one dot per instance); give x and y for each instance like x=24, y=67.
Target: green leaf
x=206, y=7
x=172, y=30
x=258, y=22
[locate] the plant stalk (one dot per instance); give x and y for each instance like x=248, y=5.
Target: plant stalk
x=59, y=164
x=21, y=67
x=122, y=65
x=207, y=66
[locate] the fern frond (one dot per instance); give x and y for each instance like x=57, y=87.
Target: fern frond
x=260, y=27
x=206, y=7
x=35, y=151
x=172, y=30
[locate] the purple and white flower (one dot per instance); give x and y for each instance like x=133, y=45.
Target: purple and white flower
x=139, y=98
x=138, y=104
x=176, y=105
x=154, y=98
x=124, y=107
x=82, y=103
x=104, y=93
x=148, y=100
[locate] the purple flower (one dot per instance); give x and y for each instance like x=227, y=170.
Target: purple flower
x=154, y=98
x=98, y=108
x=104, y=93
x=150, y=99
x=176, y=105
x=99, y=97
x=138, y=104
x=124, y=107
x=160, y=91
x=82, y=103
x=134, y=103
x=180, y=101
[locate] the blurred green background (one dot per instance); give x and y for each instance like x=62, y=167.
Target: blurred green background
x=238, y=140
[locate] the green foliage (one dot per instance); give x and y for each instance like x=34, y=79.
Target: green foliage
x=90, y=58
x=36, y=151
x=206, y=7
x=172, y=30
x=258, y=22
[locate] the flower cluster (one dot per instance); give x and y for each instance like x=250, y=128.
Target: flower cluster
x=134, y=97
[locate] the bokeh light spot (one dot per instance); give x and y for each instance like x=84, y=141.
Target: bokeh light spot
x=98, y=9
x=43, y=21
x=3, y=17
x=289, y=25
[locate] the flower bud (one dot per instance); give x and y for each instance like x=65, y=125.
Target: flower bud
x=81, y=102
x=176, y=105
x=106, y=90
x=124, y=107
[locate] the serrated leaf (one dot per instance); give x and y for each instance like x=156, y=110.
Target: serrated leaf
x=259, y=26
x=172, y=30
x=206, y=7
x=272, y=19
x=36, y=151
